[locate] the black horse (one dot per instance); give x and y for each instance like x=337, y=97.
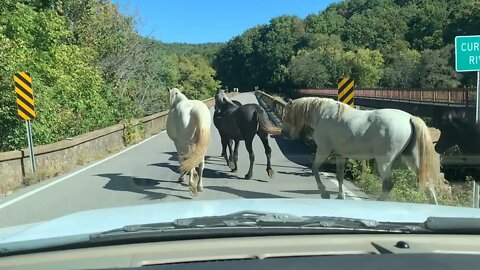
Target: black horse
x=457, y=130
x=240, y=123
x=224, y=138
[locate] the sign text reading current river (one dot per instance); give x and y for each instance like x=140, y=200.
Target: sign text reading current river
x=467, y=53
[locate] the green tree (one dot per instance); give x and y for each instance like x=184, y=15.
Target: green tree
x=196, y=77
x=330, y=23
x=366, y=67
x=434, y=70
x=277, y=46
x=427, y=24
x=401, y=64
x=307, y=70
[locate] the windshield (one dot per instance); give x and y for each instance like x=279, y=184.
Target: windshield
x=180, y=109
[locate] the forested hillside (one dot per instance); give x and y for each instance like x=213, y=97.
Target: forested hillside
x=380, y=43
x=90, y=68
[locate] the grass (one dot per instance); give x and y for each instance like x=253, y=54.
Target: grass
x=39, y=175
x=405, y=187
x=7, y=187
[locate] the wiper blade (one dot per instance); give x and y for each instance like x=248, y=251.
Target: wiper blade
x=453, y=225
x=260, y=220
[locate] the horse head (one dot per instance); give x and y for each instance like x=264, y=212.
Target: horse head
x=222, y=101
x=450, y=129
x=176, y=96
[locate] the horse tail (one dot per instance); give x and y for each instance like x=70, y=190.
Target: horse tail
x=201, y=138
x=265, y=123
x=429, y=167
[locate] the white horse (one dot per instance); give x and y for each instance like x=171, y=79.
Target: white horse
x=188, y=126
x=382, y=134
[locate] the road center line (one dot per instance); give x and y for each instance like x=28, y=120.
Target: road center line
x=30, y=193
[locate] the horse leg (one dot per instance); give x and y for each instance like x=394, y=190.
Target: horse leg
x=230, y=161
x=320, y=157
x=251, y=155
x=268, y=152
x=224, y=146
x=235, y=155
x=191, y=182
x=201, y=166
x=340, y=175
x=225, y=143
x=180, y=160
x=385, y=171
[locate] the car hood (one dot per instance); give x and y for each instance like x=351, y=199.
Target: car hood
x=99, y=220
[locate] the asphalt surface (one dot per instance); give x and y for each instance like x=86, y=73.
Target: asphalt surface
x=148, y=172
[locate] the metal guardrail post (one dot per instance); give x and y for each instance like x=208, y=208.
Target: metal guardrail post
x=476, y=189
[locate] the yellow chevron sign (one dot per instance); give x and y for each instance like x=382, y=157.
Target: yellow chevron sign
x=345, y=91
x=24, y=91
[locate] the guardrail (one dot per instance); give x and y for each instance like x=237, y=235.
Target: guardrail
x=63, y=156
x=463, y=96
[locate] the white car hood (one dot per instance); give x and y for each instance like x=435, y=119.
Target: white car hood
x=99, y=220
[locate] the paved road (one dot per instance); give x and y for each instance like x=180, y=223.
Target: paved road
x=147, y=173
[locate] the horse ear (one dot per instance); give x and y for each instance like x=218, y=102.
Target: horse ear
x=289, y=101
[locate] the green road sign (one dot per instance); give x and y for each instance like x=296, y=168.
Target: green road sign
x=467, y=53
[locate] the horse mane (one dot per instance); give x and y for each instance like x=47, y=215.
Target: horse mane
x=308, y=109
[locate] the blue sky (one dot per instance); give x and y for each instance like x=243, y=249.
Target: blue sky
x=201, y=21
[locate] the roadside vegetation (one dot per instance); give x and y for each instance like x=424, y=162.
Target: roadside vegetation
x=90, y=68
x=405, y=187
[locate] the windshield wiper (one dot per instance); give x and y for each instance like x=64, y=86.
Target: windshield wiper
x=261, y=222
x=453, y=225
x=247, y=223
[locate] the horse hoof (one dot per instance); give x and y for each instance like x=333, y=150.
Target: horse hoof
x=248, y=176
x=193, y=191
x=231, y=165
x=325, y=195
x=180, y=180
x=339, y=197
x=200, y=188
x=270, y=173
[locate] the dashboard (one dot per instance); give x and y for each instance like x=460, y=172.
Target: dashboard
x=357, y=251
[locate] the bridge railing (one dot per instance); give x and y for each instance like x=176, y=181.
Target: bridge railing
x=465, y=96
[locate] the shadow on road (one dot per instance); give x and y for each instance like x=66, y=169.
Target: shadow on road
x=244, y=193
x=303, y=173
x=207, y=173
x=173, y=155
x=298, y=153
x=119, y=182
x=309, y=192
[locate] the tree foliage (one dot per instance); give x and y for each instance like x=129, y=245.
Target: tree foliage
x=89, y=66
x=380, y=43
